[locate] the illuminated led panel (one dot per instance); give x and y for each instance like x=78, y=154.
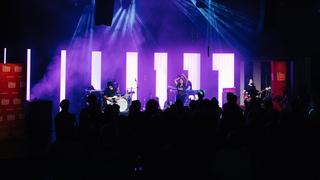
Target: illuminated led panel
x=63, y=75
x=224, y=64
x=132, y=73
x=28, y=74
x=5, y=56
x=96, y=70
x=192, y=64
x=161, y=68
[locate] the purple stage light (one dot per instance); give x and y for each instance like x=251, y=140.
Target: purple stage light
x=132, y=73
x=28, y=74
x=224, y=64
x=63, y=70
x=192, y=64
x=96, y=70
x=161, y=68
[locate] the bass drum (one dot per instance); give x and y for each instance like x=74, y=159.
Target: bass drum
x=123, y=103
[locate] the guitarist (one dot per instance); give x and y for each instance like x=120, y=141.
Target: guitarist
x=250, y=91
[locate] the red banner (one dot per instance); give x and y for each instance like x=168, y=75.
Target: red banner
x=12, y=96
x=279, y=80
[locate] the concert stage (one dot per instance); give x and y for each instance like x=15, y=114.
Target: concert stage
x=144, y=45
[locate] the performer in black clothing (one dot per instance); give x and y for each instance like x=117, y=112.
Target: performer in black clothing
x=250, y=92
x=110, y=92
x=251, y=89
x=181, y=88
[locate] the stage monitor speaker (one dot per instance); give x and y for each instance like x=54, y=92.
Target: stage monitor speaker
x=104, y=12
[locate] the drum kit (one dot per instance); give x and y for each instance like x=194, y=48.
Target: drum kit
x=124, y=101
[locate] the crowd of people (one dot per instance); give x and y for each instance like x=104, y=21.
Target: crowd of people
x=200, y=141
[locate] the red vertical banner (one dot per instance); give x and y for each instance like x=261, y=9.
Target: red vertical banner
x=12, y=96
x=279, y=80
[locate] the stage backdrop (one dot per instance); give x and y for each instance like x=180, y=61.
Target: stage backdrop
x=12, y=96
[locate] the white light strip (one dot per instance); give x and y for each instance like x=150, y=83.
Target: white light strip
x=192, y=64
x=224, y=63
x=161, y=68
x=96, y=70
x=28, y=74
x=5, y=56
x=257, y=74
x=63, y=75
x=242, y=82
x=132, y=73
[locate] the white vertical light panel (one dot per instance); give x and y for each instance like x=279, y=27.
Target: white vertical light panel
x=5, y=56
x=132, y=73
x=63, y=69
x=161, y=68
x=224, y=64
x=242, y=82
x=96, y=70
x=257, y=74
x=28, y=74
x=192, y=64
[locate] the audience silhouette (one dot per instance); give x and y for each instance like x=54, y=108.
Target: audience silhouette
x=200, y=141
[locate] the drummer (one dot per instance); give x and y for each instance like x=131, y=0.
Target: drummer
x=110, y=92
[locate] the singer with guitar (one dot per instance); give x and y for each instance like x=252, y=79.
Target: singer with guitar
x=251, y=92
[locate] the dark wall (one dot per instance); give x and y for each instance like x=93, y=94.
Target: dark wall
x=291, y=29
x=39, y=25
